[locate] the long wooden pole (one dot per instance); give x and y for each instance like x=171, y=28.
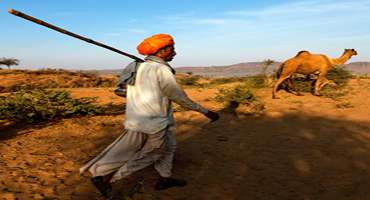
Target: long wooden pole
x=24, y=16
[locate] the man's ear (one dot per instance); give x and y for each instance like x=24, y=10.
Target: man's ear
x=160, y=52
x=163, y=50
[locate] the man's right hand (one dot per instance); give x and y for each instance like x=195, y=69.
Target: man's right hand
x=213, y=116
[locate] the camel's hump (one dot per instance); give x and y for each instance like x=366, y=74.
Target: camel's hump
x=301, y=52
x=304, y=51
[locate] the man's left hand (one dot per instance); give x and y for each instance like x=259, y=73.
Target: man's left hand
x=213, y=116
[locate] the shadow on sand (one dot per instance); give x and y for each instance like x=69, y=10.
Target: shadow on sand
x=293, y=156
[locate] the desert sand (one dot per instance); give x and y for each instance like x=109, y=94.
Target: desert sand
x=302, y=148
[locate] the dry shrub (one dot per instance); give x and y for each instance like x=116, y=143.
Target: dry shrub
x=15, y=80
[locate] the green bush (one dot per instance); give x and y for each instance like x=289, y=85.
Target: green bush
x=254, y=81
x=301, y=83
x=258, y=81
x=45, y=105
x=226, y=80
x=192, y=80
x=338, y=75
x=239, y=94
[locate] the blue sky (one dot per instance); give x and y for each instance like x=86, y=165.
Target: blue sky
x=206, y=33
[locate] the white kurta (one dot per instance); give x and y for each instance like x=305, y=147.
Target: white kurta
x=148, y=106
x=149, y=120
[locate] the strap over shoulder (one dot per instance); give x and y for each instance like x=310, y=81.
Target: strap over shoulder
x=128, y=75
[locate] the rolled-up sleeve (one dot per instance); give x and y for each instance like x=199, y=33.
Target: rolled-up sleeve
x=174, y=92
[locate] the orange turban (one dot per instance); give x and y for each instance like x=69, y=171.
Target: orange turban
x=152, y=44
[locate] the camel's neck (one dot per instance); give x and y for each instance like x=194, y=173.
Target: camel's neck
x=341, y=60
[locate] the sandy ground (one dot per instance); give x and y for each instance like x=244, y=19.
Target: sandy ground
x=303, y=148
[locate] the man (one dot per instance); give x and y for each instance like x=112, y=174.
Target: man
x=149, y=122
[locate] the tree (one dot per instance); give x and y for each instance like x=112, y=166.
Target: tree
x=267, y=63
x=189, y=73
x=9, y=62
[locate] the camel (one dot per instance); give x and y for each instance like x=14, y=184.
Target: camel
x=306, y=63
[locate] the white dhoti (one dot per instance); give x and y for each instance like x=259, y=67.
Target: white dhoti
x=133, y=151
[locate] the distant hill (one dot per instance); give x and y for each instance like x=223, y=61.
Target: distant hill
x=256, y=67
x=241, y=69
x=236, y=69
x=359, y=67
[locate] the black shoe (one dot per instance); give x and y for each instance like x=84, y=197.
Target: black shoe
x=105, y=191
x=173, y=182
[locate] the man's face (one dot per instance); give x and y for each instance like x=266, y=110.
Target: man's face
x=168, y=53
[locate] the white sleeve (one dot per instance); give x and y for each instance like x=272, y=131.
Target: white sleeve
x=174, y=92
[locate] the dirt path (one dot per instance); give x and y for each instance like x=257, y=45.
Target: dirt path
x=303, y=148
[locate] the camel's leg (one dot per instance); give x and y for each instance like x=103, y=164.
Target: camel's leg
x=276, y=85
x=308, y=77
x=320, y=78
x=285, y=71
x=291, y=85
x=324, y=82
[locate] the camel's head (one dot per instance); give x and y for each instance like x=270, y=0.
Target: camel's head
x=351, y=52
